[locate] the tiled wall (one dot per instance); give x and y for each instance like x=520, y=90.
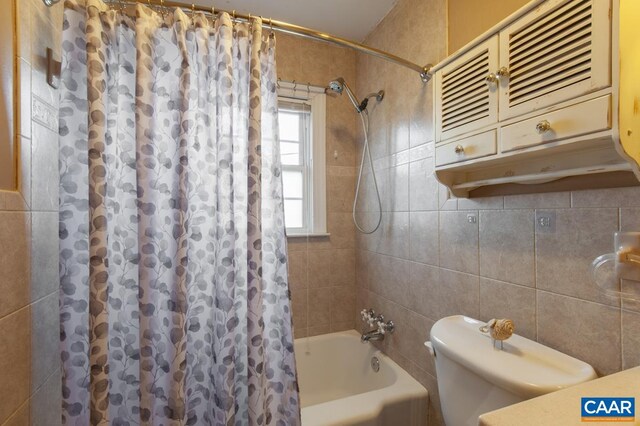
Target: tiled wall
x=30, y=378
x=485, y=258
x=322, y=269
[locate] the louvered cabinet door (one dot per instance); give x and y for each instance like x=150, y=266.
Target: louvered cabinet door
x=557, y=52
x=464, y=99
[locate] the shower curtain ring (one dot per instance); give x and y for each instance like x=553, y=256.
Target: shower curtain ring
x=193, y=10
x=164, y=10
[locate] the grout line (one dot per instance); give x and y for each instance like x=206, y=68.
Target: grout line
x=535, y=271
x=578, y=299
x=620, y=219
x=44, y=382
x=621, y=338
x=7, y=315
x=9, y=420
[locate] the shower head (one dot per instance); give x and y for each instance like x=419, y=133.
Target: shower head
x=339, y=85
x=336, y=87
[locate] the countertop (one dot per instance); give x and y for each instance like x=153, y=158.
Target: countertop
x=563, y=407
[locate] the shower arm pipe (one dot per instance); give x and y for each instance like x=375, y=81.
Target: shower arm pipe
x=285, y=27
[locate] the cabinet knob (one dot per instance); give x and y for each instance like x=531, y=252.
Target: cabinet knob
x=503, y=72
x=543, y=127
x=459, y=149
x=491, y=80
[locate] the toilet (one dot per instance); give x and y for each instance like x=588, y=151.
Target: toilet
x=474, y=377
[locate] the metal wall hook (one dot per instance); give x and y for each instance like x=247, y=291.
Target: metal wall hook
x=54, y=69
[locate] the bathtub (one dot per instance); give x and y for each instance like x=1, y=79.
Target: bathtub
x=338, y=385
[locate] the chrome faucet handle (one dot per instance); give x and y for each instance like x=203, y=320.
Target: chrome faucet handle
x=383, y=327
x=374, y=320
x=363, y=314
x=368, y=315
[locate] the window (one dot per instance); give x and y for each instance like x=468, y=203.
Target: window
x=301, y=118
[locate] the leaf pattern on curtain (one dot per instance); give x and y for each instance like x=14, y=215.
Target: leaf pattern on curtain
x=174, y=297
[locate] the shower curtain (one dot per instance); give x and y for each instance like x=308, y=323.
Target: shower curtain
x=174, y=298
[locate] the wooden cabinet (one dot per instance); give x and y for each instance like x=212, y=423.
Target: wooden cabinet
x=468, y=148
x=465, y=99
x=537, y=97
x=557, y=52
x=583, y=118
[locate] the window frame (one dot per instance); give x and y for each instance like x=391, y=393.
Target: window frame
x=314, y=163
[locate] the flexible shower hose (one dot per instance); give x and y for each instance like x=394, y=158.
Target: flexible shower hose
x=366, y=151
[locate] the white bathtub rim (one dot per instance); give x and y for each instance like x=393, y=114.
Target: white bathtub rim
x=364, y=406
x=358, y=408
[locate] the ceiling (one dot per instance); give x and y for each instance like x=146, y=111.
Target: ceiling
x=352, y=19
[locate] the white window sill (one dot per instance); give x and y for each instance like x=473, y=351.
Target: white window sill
x=313, y=234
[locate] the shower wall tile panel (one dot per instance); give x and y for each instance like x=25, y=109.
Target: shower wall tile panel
x=484, y=257
x=322, y=270
x=30, y=373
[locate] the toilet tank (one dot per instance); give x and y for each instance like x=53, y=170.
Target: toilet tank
x=475, y=377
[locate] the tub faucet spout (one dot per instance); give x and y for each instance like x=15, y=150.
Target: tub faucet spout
x=378, y=333
x=373, y=335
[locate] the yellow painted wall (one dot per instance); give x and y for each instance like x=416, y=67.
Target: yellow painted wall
x=470, y=18
x=7, y=142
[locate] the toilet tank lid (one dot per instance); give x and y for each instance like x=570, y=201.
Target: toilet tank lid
x=524, y=367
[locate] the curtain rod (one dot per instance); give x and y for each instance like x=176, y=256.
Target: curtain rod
x=288, y=28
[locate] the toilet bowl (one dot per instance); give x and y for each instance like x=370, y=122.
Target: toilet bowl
x=474, y=377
